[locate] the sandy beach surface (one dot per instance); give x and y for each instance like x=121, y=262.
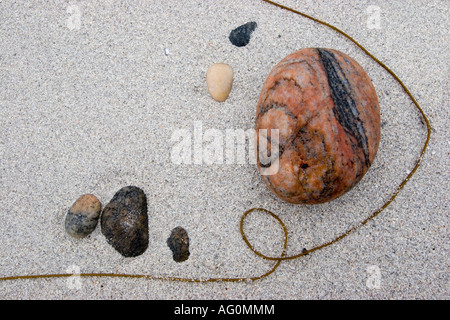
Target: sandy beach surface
x=93, y=93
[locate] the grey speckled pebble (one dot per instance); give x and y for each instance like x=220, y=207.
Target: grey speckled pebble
x=83, y=216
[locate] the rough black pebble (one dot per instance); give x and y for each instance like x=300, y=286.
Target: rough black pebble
x=240, y=36
x=178, y=242
x=124, y=222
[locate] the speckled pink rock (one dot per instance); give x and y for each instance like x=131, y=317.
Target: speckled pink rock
x=326, y=110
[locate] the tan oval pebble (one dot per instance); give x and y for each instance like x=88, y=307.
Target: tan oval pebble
x=219, y=79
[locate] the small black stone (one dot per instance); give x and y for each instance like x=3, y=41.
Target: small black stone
x=178, y=242
x=240, y=36
x=124, y=222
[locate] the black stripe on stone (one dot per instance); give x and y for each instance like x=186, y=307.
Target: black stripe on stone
x=344, y=105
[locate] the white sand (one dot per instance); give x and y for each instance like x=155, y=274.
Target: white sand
x=90, y=95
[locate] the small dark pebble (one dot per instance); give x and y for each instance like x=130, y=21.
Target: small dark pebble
x=124, y=222
x=178, y=242
x=240, y=36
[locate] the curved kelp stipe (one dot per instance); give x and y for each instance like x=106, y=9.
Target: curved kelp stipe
x=282, y=256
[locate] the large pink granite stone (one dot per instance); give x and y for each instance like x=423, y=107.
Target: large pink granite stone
x=326, y=110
